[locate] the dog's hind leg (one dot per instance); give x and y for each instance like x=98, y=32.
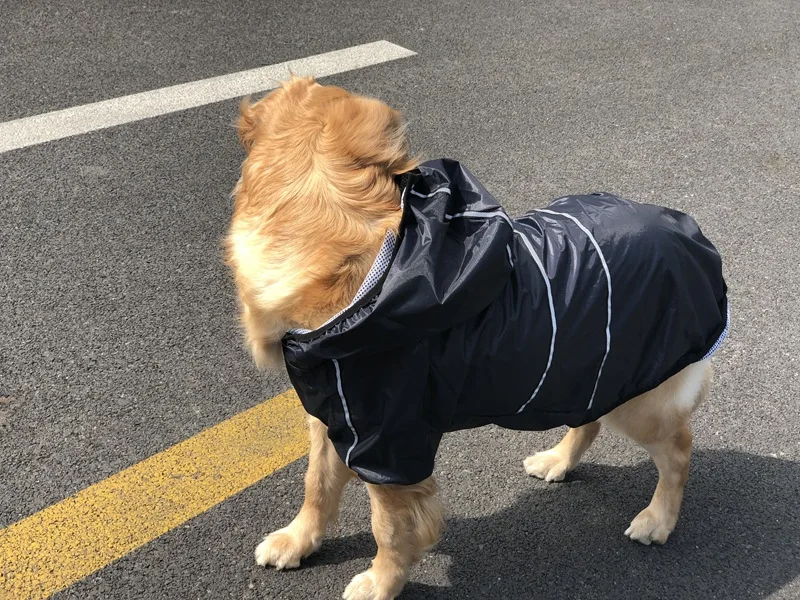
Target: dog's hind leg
x=406, y=521
x=554, y=464
x=325, y=480
x=659, y=421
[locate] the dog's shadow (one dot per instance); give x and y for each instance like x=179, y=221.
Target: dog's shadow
x=738, y=537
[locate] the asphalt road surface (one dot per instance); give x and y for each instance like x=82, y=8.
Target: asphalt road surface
x=118, y=333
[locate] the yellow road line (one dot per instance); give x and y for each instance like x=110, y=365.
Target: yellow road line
x=54, y=548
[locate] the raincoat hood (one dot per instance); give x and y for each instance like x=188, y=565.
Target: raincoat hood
x=441, y=273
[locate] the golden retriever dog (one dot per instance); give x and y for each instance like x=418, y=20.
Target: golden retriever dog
x=317, y=198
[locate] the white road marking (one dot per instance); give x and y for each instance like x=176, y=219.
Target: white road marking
x=126, y=109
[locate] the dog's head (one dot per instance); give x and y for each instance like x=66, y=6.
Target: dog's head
x=312, y=206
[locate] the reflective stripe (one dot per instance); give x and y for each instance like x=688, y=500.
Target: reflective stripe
x=608, y=279
x=346, y=411
x=486, y=215
x=442, y=190
x=552, y=317
x=510, y=258
x=481, y=215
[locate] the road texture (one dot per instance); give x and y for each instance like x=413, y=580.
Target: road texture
x=118, y=330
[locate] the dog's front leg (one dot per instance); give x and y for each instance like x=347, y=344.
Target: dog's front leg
x=325, y=479
x=406, y=521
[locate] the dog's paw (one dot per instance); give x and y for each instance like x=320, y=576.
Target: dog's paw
x=548, y=465
x=648, y=528
x=364, y=586
x=284, y=549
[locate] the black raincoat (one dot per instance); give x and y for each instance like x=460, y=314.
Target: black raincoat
x=552, y=319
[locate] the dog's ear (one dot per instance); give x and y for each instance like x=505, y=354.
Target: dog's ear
x=247, y=122
x=297, y=88
x=253, y=115
x=373, y=134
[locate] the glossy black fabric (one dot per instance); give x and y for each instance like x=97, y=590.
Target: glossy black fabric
x=463, y=330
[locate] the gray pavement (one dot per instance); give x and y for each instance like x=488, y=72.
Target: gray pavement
x=118, y=335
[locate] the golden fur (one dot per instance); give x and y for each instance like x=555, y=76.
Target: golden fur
x=313, y=204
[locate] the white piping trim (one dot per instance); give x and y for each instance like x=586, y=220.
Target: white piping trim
x=481, y=215
x=486, y=215
x=508, y=251
x=346, y=411
x=441, y=190
x=552, y=317
x=608, y=279
x=722, y=335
